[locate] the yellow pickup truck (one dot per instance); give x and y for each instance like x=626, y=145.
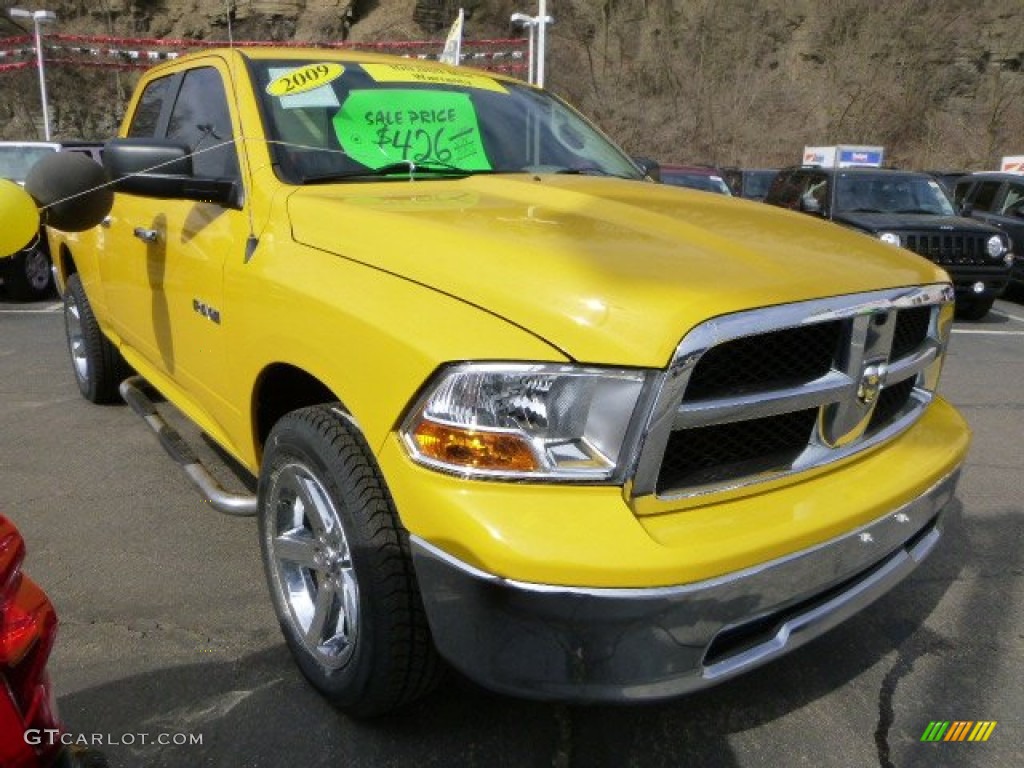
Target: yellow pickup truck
x=507, y=402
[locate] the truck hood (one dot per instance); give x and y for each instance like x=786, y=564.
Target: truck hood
x=912, y=222
x=605, y=270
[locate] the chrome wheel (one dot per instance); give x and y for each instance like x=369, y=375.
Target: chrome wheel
x=76, y=338
x=338, y=565
x=37, y=270
x=96, y=362
x=312, y=566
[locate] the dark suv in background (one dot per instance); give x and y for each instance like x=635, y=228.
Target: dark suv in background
x=997, y=199
x=751, y=183
x=910, y=210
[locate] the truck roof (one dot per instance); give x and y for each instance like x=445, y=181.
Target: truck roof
x=342, y=55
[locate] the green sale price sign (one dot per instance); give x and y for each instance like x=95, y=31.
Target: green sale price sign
x=382, y=127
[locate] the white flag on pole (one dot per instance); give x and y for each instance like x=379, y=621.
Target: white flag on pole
x=452, y=53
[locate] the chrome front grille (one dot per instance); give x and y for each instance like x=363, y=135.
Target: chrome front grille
x=765, y=361
x=911, y=329
x=718, y=453
x=950, y=249
x=763, y=394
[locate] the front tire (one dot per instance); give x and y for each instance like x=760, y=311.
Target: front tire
x=97, y=364
x=974, y=309
x=338, y=566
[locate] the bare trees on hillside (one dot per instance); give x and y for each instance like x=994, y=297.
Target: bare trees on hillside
x=751, y=81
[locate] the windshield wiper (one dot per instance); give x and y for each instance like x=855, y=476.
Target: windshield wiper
x=920, y=210
x=589, y=172
x=407, y=167
x=861, y=210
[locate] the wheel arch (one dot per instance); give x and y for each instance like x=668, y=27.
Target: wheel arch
x=64, y=261
x=280, y=389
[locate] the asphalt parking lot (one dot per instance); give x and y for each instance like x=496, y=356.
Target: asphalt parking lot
x=169, y=654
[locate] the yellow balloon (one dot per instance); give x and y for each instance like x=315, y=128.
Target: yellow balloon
x=19, y=218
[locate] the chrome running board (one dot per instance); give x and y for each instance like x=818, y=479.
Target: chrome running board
x=239, y=504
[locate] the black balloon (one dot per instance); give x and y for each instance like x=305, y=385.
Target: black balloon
x=71, y=191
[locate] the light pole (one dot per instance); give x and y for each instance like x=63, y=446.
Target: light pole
x=38, y=17
x=542, y=36
x=530, y=25
x=537, y=42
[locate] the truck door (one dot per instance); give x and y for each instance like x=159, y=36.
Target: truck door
x=170, y=264
x=123, y=264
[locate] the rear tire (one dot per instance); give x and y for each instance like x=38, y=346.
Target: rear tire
x=28, y=275
x=338, y=566
x=97, y=364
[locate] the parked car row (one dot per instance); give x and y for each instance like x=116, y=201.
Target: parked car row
x=971, y=225
x=910, y=210
x=751, y=183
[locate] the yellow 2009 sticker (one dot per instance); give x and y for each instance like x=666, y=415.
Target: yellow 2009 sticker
x=304, y=78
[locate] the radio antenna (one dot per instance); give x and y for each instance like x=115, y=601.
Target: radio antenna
x=252, y=241
x=227, y=15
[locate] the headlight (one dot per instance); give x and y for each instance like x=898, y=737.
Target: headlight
x=995, y=246
x=890, y=237
x=525, y=421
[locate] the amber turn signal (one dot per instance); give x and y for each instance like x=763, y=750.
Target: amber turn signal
x=472, y=448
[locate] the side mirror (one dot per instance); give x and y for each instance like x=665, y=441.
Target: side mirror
x=966, y=209
x=163, y=169
x=649, y=166
x=71, y=190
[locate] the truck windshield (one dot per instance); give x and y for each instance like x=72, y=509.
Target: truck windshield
x=17, y=160
x=330, y=120
x=891, y=193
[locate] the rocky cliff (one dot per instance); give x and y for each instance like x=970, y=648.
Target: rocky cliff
x=939, y=82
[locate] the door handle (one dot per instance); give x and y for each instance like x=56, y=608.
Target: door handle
x=146, y=235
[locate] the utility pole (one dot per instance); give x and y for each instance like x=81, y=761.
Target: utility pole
x=38, y=17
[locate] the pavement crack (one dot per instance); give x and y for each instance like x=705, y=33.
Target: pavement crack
x=206, y=711
x=923, y=643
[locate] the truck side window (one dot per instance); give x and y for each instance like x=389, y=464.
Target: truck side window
x=201, y=119
x=151, y=104
x=1013, y=203
x=788, y=189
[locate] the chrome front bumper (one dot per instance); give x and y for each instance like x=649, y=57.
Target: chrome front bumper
x=581, y=644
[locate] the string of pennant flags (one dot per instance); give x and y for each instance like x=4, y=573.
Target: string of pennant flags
x=101, y=51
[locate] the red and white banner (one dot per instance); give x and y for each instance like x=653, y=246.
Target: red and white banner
x=502, y=55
